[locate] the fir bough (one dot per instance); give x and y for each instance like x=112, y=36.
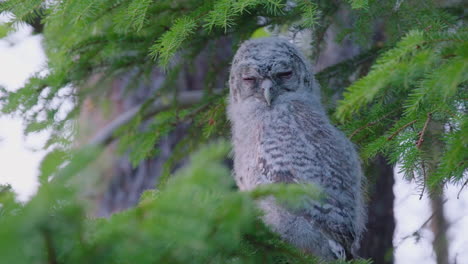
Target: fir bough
x=420, y=82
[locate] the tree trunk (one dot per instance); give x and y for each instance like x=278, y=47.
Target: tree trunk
x=433, y=146
x=377, y=242
x=439, y=228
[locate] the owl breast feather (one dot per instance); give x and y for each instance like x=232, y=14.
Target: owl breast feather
x=302, y=147
x=298, y=146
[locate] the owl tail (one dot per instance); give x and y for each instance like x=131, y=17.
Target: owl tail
x=337, y=249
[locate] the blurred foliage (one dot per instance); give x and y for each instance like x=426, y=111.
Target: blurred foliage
x=197, y=218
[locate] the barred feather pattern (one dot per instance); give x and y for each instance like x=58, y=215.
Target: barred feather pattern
x=290, y=140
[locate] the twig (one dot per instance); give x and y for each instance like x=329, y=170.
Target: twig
x=371, y=124
x=463, y=186
x=353, y=62
x=416, y=233
x=400, y=129
x=423, y=131
x=424, y=180
x=362, y=128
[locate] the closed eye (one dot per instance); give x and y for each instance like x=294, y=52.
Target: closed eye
x=284, y=75
x=249, y=79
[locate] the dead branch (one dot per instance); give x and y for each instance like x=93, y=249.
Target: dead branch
x=417, y=232
x=463, y=186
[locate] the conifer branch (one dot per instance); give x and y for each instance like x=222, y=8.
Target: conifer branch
x=371, y=123
x=423, y=131
x=352, y=63
x=463, y=186
x=363, y=127
x=400, y=129
x=105, y=136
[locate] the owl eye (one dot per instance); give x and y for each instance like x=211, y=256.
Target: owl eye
x=284, y=75
x=249, y=79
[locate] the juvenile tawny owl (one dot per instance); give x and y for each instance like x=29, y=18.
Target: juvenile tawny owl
x=281, y=134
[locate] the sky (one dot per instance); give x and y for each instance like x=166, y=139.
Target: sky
x=21, y=55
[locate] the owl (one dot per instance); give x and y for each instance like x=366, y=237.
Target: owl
x=281, y=134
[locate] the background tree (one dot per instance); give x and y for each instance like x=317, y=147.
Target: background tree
x=146, y=78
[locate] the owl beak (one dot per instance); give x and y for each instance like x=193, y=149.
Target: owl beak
x=266, y=87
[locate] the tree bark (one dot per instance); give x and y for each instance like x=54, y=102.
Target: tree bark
x=439, y=228
x=432, y=147
x=377, y=242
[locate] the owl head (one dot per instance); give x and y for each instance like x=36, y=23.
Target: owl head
x=266, y=70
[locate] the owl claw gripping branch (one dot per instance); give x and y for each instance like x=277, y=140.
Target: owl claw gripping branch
x=281, y=134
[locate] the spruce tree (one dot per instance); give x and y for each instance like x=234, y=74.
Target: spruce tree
x=409, y=106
